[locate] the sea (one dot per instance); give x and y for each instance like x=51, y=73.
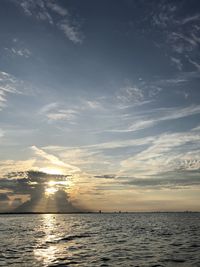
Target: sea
x=106, y=239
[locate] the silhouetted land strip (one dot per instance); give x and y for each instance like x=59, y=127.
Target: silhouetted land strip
x=10, y=213
x=95, y=212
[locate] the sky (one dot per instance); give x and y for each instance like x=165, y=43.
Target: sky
x=99, y=105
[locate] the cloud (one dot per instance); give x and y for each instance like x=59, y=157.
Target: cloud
x=180, y=32
x=167, y=152
x=55, y=112
x=57, y=9
x=67, y=112
x=62, y=114
x=136, y=94
x=194, y=63
x=106, y=176
x=36, y=9
x=54, y=160
x=138, y=125
x=3, y=197
x=87, y=153
x=70, y=31
x=4, y=202
x=173, y=157
x=177, y=63
x=22, y=52
x=190, y=19
x=43, y=10
x=59, y=202
x=188, y=42
x=172, y=179
x=94, y=158
x=1, y=133
x=164, y=15
x=131, y=94
x=92, y=104
x=9, y=84
x=16, y=202
x=34, y=184
x=48, y=107
x=14, y=165
x=156, y=116
x=197, y=128
x=169, y=180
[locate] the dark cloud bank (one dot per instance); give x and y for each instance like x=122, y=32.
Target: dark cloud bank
x=32, y=184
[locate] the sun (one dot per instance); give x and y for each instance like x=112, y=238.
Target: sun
x=49, y=191
x=53, y=186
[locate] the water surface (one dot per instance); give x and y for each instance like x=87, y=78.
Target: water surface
x=137, y=239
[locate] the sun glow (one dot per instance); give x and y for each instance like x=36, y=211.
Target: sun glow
x=53, y=186
x=53, y=171
x=50, y=190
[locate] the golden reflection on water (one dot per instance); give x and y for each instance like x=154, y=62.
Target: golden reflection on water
x=45, y=251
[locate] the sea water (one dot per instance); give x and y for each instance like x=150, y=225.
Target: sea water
x=126, y=239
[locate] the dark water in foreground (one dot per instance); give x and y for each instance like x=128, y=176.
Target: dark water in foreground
x=146, y=239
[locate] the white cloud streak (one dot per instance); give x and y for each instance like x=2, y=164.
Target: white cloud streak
x=55, y=112
x=7, y=166
x=44, y=10
x=166, y=153
x=8, y=85
x=158, y=115
x=54, y=160
x=70, y=31
x=57, y=9
x=23, y=52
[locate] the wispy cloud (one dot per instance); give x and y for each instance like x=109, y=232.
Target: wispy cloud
x=15, y=165
x=37, y=9
x=156, y=116
x=92, y=104
x=136, y=126
x=122, y=143
x=8, y=85
x=194, y=63
x=23, y=52
x=180, y=32
x=134, y=94
x=166, y=153
x=71, y=31
x=1, y=133
x=131, y=94
x=44, y=10
x=57, y=8
x=164, y=14
x=54, y=160
x=94, y=158
x=63, y=114
x=57, y=112
x=177, y=63
x=190, y=19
